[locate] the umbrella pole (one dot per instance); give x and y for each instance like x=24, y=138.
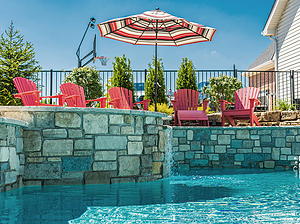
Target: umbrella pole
x=155, y=84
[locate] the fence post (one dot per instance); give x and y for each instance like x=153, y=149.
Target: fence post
x=145, y=77
x=51, y=84
x=234, y=71
x=292, y=86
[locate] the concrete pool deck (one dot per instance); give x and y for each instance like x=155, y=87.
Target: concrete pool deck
x=58, y=146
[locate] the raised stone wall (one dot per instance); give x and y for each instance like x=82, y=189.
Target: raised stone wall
x=90, y=145
x=239, y=147
x=12, y=158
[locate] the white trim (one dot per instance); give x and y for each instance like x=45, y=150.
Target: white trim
x=264, y=66
x=274, y=17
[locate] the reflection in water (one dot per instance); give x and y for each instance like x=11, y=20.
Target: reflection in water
x=62, y=203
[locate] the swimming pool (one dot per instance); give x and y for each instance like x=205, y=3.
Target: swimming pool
x=216, y=196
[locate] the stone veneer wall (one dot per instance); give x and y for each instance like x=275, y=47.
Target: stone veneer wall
x=236, y=147
x=90, y=145
x=12, y=158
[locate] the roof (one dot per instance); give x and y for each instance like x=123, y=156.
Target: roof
x=264, y=61
x=274, y=17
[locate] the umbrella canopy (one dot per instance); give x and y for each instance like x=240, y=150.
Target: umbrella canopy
x=155, y=28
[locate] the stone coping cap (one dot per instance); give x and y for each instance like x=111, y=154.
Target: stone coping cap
x=234, y=128
x=79, y=109
x=10, y=121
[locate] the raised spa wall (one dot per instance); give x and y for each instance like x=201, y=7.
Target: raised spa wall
x=57, y=146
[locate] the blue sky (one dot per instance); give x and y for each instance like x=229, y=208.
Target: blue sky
x=56, y=27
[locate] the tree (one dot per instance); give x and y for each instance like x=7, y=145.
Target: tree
x=221, y=88
x=186, y=78
x=150, y=79
x=122, y=74
x=88, y=78
x=17, y=59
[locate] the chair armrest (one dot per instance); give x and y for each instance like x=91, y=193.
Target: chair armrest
x=223, y=103
x=102, y=101
x=61, y=98
x=18, y=95
x=254, y=102
x=205, y=103
x=145, y=103
x=113, y=102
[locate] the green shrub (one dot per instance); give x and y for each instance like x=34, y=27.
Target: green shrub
x=208, y=110
x=162, y=108
x=221, y=88
x=186, y=77
x=150, y=79
x=284, y=105
x=88, y=78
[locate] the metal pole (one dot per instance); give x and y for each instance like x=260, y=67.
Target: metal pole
x=155, y=84
x=51, y=84
x=292, y=87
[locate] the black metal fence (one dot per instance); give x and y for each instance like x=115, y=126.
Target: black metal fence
x=287, y=88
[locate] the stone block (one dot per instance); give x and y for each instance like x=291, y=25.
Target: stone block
x=129, y=165
x=242, y=134
x=213, y=157
x=104, y=166
x=254, y=137
x=158, y=157
x=214, y=137
x=184, y=147
x=72, y=175
x=264, y=132
x=150, y=140
x=288, y=115
x=146, y=160
x=239, y=157
x=202, y=134
x=116, y=119
x=83, y=153
x=190, y=135
x=3, y=132
x=162, y=141
x=254, y=157
x=44, y=119
x=182, y=141
x=283, y=157
x=150, y=120
x=231, y=151
x=110, y=142
x=19, y=145
x=75, y=133
x=220, y=149
x=32, y=141
x=270, y=116
x=120, y=180
x=105, y=155
x=179, y=156
x=269, y=164
x=21, y=159
x=34, y=154
x=135, y=148
x=265, y=138
x=35, y=159
x=248, y=144
x=10, y=177
x=275, y=154
x=42, y=171
x=195, y=145
x=55, y=133
x=296, y=148
x=226, y=160
x=267, y=149
x=209, y=149
x=67, y=120
x=189, y=155
x=139, y=125
x=95, y=123
x=127, y=130
x=224, y=139
x=159, y=121
x=286, y=151
x=11, y=135
x=129, y=119
x=151, y=129
x=216, y=116
x=257, y=150
x=97, y=177
x=174, y=141
x=157, y=168
x=58, y=147
x=244, y=150
x=76, y=163
x=198, y=162
x=280, y=142
x=86, y=144
x=179, y=133
x=290, y=138
x=237, y=144
x=23, y=116
x=280, y=133
x=114, y=130
x=4, y=154
x=54, y=159
x=135, y=138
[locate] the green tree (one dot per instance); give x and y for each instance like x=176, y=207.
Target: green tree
x=186, y=78
x=150, y=79
x=17, y=59
x=221, y=88
x=88, y=78
x=122, y=74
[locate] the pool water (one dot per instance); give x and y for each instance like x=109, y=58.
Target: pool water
x=220, y=196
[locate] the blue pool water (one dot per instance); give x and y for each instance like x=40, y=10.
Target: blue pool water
x=201, y=197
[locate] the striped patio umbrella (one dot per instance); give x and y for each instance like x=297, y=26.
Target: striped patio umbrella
x=155, y=28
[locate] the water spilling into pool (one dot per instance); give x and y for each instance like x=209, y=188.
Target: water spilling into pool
x=226, y=196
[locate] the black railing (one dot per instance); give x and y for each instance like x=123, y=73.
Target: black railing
x=287, y=89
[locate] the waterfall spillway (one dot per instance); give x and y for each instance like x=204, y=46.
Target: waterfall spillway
x=169, y=154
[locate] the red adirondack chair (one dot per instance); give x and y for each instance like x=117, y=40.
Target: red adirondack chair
x=29, y=94
x=185, y=107
x=75, y=96
x=121, y=98
x=245, y=102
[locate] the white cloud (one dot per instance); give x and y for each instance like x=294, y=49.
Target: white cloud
x=213, y=52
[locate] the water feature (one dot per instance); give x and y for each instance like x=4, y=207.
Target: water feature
x=169, y=153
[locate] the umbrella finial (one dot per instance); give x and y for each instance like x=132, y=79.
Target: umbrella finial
x=157, y=8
